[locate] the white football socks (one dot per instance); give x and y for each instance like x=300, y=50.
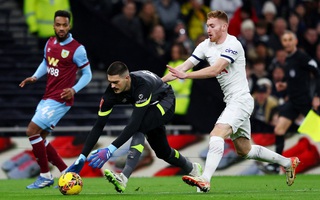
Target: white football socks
x=216, y=148
x=261, y=153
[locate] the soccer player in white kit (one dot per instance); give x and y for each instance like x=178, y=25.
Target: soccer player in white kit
x=226, y=57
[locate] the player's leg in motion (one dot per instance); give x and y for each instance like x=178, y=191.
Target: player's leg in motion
x=280, y=130
x=136, y=148
x=39, y=150
x=158, y=141
x=54, y=158
x=48, y=114
x=216, y=148
x=261, y=153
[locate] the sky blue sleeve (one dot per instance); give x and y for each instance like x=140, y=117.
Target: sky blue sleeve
x=42, y=69
x=80, y=56
x=84, y=79
x=81, y=59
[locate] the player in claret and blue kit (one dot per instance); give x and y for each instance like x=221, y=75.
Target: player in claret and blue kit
x=63, y=58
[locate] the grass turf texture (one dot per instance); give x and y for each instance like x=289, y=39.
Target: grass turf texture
x=268, y=187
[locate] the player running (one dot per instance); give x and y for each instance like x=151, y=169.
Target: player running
x=154, y=105
x=226, y=57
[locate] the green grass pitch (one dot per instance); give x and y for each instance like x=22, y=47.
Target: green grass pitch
x=306, y=187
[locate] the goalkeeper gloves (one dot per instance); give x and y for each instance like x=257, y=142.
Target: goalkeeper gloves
x=100, y=156
x=77, y=165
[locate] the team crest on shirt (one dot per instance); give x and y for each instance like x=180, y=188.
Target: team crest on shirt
x=141, y=99
x=64, y=53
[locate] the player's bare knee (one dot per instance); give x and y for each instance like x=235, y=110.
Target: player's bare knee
x=243, y=152
x=279, y=131
x=30, y=132
x=221, y=130
x=242, y=146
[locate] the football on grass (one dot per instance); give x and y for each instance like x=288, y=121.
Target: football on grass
x=70, y=183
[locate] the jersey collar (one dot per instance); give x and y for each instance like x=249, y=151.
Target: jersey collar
x=67, y=41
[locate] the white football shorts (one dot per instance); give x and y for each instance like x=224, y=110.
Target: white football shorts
x=237, y=114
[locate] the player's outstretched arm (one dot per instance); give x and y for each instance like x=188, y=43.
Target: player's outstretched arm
x=183, y=68
x=207, y=72
x=42, y=70
x=91, y=141
x=28, y=80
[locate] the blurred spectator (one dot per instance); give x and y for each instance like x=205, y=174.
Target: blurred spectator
x=283, y=7
x=252, y=80
x=308, y=13
x=278, y=75
x=259, y=69
x=264, y=104
x=128, y=23
x=257, y=6
x=279, y=26
x=262, y=31
x=261, y=52
x=296, y=25
x=313, y=13
x=268, y=84
x=269, y=13
x=181, y=36
x=39, y=18
x=169, y=13
x=247, y=35
x=229, y=6
x=300, y=10
x=148, y=18
x=181, y=87
x=310, y=41
x=278, y=60
x=246, y=11
x=194, y=13
x=157, y=43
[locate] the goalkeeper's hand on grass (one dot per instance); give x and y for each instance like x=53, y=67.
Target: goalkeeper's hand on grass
x=100, y=156
x=77, y=165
